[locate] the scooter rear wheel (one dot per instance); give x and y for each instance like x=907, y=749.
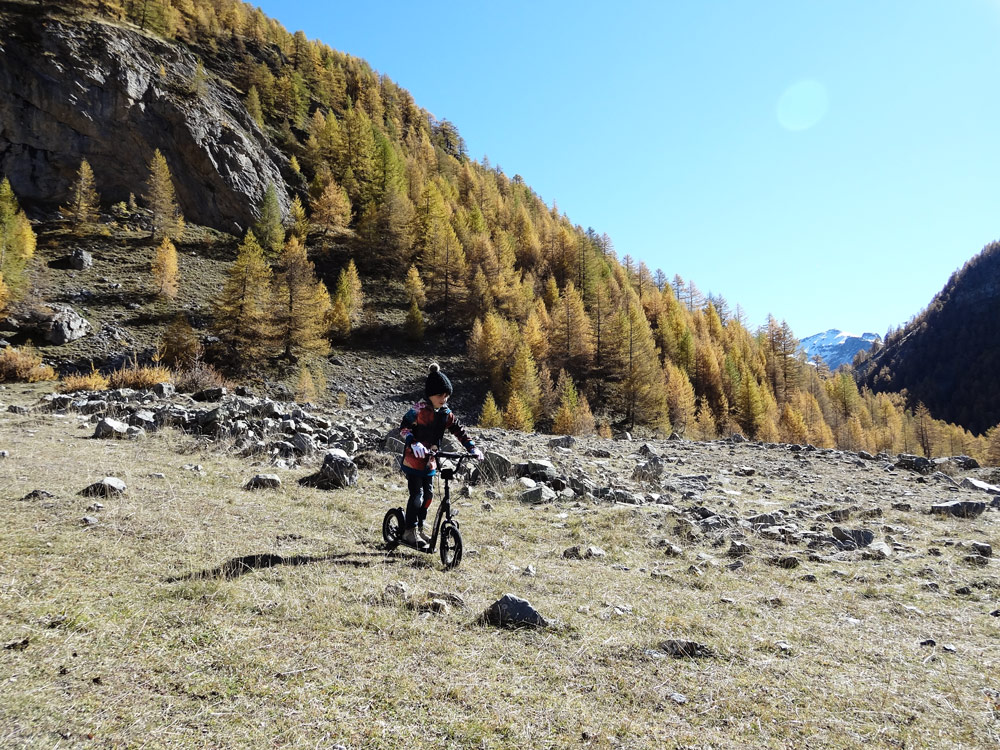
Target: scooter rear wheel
x=451, y=547
x=392, y=527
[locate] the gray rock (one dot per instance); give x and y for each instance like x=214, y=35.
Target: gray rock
x=877, y=551
x=65, y=325
x=338, y=471
x=856, y=537
x=739, y=549
x=681, y=649
x=975, y=484
x=107, y=487
x=649, y=471
x=918, y=464
x=110, y=428
x=80, y=259
x=959, y=509
x=537, y=495
x=496, y=467
x=982, y=548
x=264, y=482
x=512, y=612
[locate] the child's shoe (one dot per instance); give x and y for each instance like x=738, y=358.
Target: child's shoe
x=411, y=537
x=423, y=536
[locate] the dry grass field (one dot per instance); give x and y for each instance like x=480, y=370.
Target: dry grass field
x=197, y=614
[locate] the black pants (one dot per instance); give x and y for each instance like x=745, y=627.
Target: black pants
x=421, y=493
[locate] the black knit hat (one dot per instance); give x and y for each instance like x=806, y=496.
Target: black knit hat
x=437, y=382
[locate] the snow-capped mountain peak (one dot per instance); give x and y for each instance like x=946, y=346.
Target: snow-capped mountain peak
x=836, y=347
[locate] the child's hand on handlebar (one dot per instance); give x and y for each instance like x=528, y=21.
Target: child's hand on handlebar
x=419, y=450
x=477, y=454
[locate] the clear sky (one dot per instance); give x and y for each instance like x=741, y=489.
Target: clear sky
x=830, y=162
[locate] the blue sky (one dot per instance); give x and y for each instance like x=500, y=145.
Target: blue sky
x=830, y=162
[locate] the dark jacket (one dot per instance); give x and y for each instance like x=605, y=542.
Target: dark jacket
x=421, y=424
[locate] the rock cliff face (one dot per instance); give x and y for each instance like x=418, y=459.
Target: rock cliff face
x=86, y=89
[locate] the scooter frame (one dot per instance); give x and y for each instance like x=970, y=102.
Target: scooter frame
x=445, y=524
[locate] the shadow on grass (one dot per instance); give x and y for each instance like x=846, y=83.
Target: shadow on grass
x=239, y=566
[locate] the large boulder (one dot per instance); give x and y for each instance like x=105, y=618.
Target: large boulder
x=337, y=471
x=512, y=612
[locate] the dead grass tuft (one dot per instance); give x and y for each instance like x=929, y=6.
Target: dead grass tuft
x=23, y=365
x=139, y=377
x=91, y=381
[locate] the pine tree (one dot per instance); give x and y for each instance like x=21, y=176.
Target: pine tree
x=253, y=106
x=243, y=308
x=179, y=346
x=517, y=415
x=167, y=220
x=415, y=290
x=523, y=380
x=414, y=325
x=332, y=210
x=268, y=228
x=17, y=246
x=300, y=223
x=164, y=268
x=83, y=209
x=571, y=343
x=301, y=305
x=490, y=416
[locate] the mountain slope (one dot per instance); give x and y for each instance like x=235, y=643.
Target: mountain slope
x=949, y=356
x=836, y=347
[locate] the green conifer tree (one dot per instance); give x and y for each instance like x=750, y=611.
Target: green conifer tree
x=243, y=309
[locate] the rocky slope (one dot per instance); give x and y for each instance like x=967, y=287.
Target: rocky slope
x=73, y=89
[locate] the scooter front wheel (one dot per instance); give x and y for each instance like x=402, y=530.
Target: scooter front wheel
x=392, y=527
x=451, y=547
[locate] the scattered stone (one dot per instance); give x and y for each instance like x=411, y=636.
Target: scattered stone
x=38, y=495
x=264, y=482
x=679, y=698
x=877, y=551
x=974, y=484
x=963, y=590
x=745, y=471
x=983, y=549
x=739, y=549
x=89, y=521
x=905, y=507
x=512, y=612
x=976, y=561
x=928, y=642
x=686, y=649
x=809, y=578
x=856, y=537
x=529, y=571
x=959, y=509
x=918, y=464
x=787, y=562
x=538, y=495
x=80, y=259
x=20, y=645
x=107, y=487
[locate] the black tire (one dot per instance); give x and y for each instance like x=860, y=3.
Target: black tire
x=451, y=547
x=392, y=527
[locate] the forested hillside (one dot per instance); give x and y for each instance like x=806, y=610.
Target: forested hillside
x=572, y=335
x=948, y=356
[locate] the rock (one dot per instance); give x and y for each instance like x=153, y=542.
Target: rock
x=959, y=509
x=496, y=467
x=80, y=259
x=537, y=495
x=855, y=537
x=564, y=441
x=918, y=464
x=38, y=495
x=649, y=471
x=738, y=549
x=512, y=612
x=983, y=549
x=107, y=487
x=573, y=553
x=976, y=561
x=210, y=395
x=594, y=552
x=787, y=562
x=338, y=471
x=264, y=482
x=164, y=390
x=65, y=325
x=745, y=471
x=89, y=521
x=974, y=484
x=686, y=649
x=877, y=551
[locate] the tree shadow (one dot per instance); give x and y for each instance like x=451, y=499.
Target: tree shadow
x=239, y=566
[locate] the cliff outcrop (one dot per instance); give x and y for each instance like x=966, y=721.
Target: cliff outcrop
x=80, y=88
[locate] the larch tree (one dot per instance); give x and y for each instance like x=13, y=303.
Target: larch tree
x=445, y=267
x=523, y=380
x=17, y=246
x=243, y=309
x=490, y=415
x=268, y=228
x=415, y=290
x=164, y=268
x=83, y=209
x=167, y=220
x=680, y=397
x=572, y=341
x=350, y=292
x=332, y=209
x=517, y=415
x=643, y=387
x=253, y=106
x=179, y=346
x=301, y=305
x=299, y=221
